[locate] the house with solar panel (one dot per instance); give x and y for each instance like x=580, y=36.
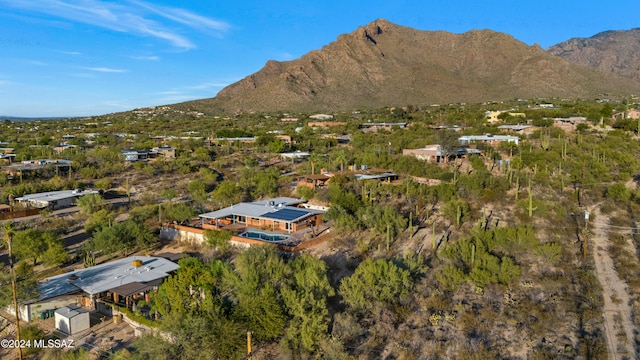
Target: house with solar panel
x=276, y=215
x=283, y=222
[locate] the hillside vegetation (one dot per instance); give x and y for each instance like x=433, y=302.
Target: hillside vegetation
x=494, y=262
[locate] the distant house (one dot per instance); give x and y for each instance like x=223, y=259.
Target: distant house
x=232, y=140
x=492, y=116
x=518, y=129
x=489, y=139
x=446, y=127
x=570, y=123
x=54, y=199
x=7, y=157
x=165, y=151
x=60, y=148
x=321, y=117
x=430, y=153
x=289, y=119
x=313, y=181
x=324, y=124
x=573, y=120
x=285, y=138
x=139, y=155
x=16, y=169
x=381, y=176
x=295, y=155
x=633, y=114
x=374, y=126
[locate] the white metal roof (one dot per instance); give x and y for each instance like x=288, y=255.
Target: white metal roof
x=103, y=277
x=264, y=209
x=70, y=311
x=55, y=195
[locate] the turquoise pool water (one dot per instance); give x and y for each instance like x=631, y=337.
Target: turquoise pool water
x=257, y=235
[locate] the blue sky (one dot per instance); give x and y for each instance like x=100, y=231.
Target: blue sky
x=92, y=57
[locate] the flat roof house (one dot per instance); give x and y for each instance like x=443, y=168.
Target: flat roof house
x=167, y=152
x=488, y=139
x=54, y=199
x=139, y=155
x=431, y=153
x=277, y=214
x=121, y=282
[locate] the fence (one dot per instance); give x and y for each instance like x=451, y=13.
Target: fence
x=19, y=214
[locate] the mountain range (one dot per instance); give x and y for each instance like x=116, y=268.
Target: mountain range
x=385, y=64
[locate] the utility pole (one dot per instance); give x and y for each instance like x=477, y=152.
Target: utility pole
x=249, y=351
x=8, y=233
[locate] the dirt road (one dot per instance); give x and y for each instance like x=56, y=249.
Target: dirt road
x=617, y=312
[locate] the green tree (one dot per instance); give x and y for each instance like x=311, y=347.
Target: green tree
x=226, y=193
x=178, y=212
x=100, y=219
x=191, y=290
x=218, y=239
x=375, y=283
x=55, y=253
x=306, y=303
x=341, y=158
x=34, y=244
x=253, y=286
x=197, y=190
x=90, y=203
x=122, y=237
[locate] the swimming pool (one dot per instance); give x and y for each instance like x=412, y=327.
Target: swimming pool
x=257, y=235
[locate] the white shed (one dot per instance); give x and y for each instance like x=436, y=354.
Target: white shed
x=72, y=319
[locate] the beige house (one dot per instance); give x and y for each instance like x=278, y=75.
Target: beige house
x=431, y=153
x=492, y=116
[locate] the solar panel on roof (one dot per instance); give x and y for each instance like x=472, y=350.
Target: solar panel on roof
x=285, y=214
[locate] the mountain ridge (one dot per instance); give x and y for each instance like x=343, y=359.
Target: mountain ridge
x=385, y=64
x=615, y=51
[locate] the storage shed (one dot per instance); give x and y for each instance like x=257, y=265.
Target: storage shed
x=72, y=319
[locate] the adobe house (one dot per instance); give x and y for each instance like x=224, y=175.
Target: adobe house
x=430, y=153
x=167, y=152
x=313, y=181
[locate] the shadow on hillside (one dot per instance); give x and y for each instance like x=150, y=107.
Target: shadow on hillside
x=339, y=266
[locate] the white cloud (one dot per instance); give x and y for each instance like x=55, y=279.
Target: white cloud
x=185, y=17
x=149, y=58
x=134, y=17
x=106, y=70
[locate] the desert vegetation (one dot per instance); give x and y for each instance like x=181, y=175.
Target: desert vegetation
x=492, y=260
